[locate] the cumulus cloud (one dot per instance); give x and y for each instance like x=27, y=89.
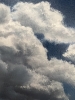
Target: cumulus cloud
x=25, y=72
x=42, y=18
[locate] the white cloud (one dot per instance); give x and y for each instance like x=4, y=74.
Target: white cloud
x=23, y=60
x=70, y=52
x=42, y=18
x=59, y=70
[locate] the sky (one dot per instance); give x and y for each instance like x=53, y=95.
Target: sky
x=37, y=50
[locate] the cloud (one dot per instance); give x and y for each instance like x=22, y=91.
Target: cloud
x=4, y=13
x=42, y=18
x=25, y=70
x=70, y=53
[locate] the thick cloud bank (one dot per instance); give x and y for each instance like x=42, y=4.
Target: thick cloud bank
x=25, y=72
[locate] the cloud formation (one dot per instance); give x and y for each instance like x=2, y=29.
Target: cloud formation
x=42, y=18
x=25, y=72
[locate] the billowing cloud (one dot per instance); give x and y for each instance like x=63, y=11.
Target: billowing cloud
x=25, y=72
x=42, y=18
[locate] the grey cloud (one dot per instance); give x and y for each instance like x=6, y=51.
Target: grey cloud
x=26, y=72
x=4, y=13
